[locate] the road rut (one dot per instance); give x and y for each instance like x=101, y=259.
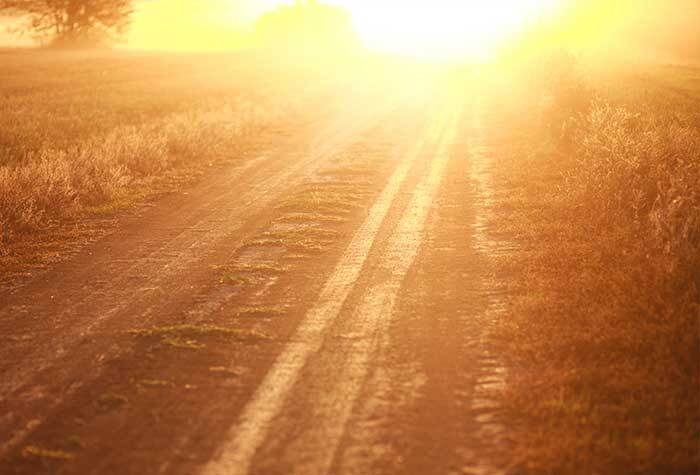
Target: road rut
x=307, y=310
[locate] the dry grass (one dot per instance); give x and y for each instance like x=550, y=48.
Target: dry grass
x=86, y=132
x=51, y=184
x=603, y=332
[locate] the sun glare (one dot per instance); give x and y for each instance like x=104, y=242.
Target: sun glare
x=440, y=29
x=443, y=28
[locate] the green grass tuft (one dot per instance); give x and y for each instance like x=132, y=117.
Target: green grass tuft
x=42, y=453
x=177, y=332
x=108, y=401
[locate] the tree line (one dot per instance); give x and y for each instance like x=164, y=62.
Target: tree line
x=71, y=23
x=89, y=23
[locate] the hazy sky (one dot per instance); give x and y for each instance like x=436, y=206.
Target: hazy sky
x=173, y=15
x=664, y=25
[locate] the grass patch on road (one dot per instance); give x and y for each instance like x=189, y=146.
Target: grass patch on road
x=182, y=336
x=256, y=268
x=306, y=239
x=183, y=343
x=305, y=232
x=302, y=217
x=224, y=371
x=109, y=401
x=322, y=201
x=264, y=311
x=235, y=280
x=35, y=451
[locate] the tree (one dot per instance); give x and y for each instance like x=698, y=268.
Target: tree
x=307, y=27
x=72, y=23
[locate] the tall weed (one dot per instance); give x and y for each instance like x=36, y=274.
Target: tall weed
x=641, y=172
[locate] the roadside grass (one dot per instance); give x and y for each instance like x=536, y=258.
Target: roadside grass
x=98, y=173
x=90, y=134
x=603, y=331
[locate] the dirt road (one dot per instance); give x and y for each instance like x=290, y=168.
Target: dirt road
x=319, y=306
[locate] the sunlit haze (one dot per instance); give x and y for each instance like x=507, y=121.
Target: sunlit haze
x=436, y=29
x=443, y=28
x=470, y=29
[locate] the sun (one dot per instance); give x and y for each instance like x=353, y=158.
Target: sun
x=434, y=29
x=443, y=28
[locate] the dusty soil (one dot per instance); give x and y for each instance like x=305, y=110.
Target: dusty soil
x=318, y=306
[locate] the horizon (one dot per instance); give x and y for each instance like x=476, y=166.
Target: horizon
x=620, y=29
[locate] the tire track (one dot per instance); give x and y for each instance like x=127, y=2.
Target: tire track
x=316, y=448
x=215, y=217
x=236, y=456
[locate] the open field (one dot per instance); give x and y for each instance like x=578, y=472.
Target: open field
x=85, y=132
x=383, y=269
x=84, y=136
